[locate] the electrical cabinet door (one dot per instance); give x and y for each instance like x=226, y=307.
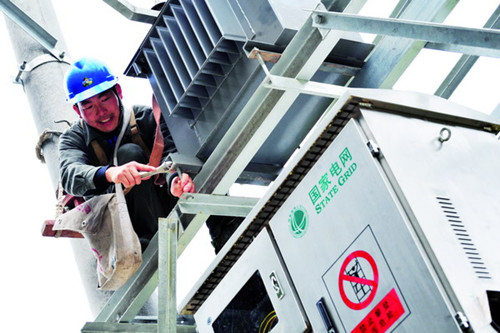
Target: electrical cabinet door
x=351, y=250
x=447, y=176
x=254, y=296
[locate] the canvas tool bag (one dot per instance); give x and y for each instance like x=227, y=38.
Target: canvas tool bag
x=105, y=223
x=110, y=236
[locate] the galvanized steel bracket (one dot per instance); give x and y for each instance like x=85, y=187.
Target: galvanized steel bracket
x=36, y=62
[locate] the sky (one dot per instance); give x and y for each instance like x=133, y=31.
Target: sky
x=41, y=288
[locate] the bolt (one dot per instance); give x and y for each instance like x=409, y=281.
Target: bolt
x=318, y=19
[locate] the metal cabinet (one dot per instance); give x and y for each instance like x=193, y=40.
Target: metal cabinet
x=394, y=228
x=390, y=224
x=254, y=296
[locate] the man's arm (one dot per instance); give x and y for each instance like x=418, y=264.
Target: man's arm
x=130, y=175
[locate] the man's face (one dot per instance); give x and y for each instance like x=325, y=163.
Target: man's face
x=101, y=111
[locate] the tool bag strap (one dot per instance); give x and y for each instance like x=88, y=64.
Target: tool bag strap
x=158, y=146
x=99, y=152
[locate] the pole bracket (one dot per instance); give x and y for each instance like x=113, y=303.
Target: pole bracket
x=36, y=62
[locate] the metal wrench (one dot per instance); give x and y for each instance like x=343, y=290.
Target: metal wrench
x=164, y=168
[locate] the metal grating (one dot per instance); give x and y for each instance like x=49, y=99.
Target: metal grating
x=270, y=208
x=464, y=238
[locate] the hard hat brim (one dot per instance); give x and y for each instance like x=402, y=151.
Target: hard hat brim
x=93, y=91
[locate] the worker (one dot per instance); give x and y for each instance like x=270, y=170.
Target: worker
x=96, y=97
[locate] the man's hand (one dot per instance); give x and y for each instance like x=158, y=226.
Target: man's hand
x=182, y=185
x=127, y=174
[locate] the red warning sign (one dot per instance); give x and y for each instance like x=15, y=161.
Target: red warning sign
x=382, y=316
x=359, y=275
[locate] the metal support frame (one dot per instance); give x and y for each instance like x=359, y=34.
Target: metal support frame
x=300, y=84
x=35, y=30
x=207, y=204
x=96, y=327
x=305, y=87
x=126, y=302
x=167, y=268
x=34, y=63
x=481, y=42
x=132, y=12
x=464, y=65
x=287, y=79
x=301, y=59
x=158, y=270
x=392, y=55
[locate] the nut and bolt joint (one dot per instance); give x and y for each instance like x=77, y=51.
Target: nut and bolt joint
x=318, y=19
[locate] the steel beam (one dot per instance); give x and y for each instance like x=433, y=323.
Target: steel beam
x=32, y=28
x=102, y=327
x=464, y=64
x=273, y=57
x=396, y=13
x=132, y=12
x=167, y=270
x=222, y=205
x=305, y=87
x=392, y=55
x=485, y=42
x=95, y=327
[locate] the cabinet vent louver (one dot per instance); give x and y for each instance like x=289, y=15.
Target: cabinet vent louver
x=464, y=238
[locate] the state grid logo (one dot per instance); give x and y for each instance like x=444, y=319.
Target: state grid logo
x=298, y=221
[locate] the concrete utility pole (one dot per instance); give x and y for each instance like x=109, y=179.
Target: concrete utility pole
x=42, y=80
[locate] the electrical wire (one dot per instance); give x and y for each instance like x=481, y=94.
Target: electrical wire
x=270, y=324
x=265, y=325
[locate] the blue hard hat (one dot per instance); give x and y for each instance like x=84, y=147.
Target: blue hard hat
x=87, y=77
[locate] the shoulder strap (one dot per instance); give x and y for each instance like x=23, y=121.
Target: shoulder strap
x=99, y=153
x=158, y=146
x=136, y=134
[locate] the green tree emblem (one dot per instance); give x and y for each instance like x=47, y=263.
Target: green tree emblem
x=298, y=221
